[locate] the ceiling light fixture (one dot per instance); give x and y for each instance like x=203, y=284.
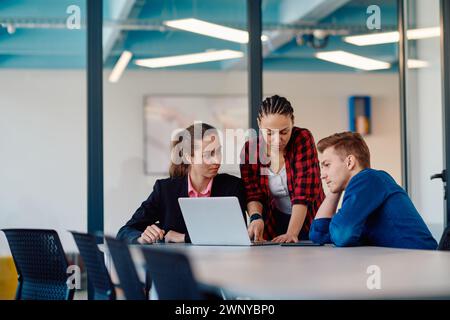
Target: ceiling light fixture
x=352, y=60
x=207, y=56
x=392, y=37
x=211, y=30
x=120, y=66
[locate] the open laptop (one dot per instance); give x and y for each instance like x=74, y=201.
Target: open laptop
x=216, y=221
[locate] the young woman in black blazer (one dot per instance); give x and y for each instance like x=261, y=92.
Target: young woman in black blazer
x=196, y=158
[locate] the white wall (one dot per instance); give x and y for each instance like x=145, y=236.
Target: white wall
x=43, y=151
x=43, y=135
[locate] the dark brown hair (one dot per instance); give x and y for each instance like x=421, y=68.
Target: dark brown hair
x=184, y=141
x=347, y=143
x=275, y=105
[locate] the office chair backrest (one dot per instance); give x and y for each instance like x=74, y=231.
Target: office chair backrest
x=172, y=275
x=41, y=264
x=126, y=270
x=93, y=259
x=444, y=244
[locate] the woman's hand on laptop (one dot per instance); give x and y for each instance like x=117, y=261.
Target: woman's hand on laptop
x=285, y=238
x=151, y=234
x=256, y=230
x=173, y=236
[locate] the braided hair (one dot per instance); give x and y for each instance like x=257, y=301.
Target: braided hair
x=275, y=105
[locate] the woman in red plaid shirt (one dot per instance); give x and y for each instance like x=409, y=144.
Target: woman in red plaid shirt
x=281, y=174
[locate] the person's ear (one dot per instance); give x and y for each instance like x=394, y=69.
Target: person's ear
x=350, y=162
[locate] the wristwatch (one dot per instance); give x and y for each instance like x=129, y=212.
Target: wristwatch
x=255, y=216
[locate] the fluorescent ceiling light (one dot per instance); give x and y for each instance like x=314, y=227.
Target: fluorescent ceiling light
x=424, y=33
x=211, y=30
x=352, y=60
x=416, y=64
x=120, y=66
x=375, y=38
x=189, y=58
x=391, y=37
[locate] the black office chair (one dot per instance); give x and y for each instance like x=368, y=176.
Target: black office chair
x=173, y=278
x=41, y=264
x=444, y=244
x=132, y=287
x=98, y=276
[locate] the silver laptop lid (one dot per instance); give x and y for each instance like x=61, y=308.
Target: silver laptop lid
x=214, y=221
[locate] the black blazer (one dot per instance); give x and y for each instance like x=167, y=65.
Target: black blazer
x=162, y=205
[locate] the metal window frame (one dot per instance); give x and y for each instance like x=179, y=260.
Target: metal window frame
x=95, y=200
x=254, y=58
x=403, y=43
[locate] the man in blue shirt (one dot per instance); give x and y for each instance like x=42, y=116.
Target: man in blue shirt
x=375, y=210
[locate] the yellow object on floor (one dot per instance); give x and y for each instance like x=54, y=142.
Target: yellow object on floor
x=8, y=278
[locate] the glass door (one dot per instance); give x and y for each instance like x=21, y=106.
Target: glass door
x=425, y=111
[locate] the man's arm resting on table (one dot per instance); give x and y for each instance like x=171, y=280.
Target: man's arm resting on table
x=329, y=205
x=319, y=232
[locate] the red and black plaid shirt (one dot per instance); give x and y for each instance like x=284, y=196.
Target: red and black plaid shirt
x=303, y=178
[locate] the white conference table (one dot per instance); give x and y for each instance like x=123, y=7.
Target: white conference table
x=275, y=272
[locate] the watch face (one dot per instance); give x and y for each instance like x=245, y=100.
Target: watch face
x=255, y=216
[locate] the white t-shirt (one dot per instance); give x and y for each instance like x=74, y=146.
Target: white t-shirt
x=279, y=189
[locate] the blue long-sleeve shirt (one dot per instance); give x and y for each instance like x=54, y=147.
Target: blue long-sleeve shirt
x=375, y=211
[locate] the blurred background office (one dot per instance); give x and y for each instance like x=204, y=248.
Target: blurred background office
x=308, y=57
